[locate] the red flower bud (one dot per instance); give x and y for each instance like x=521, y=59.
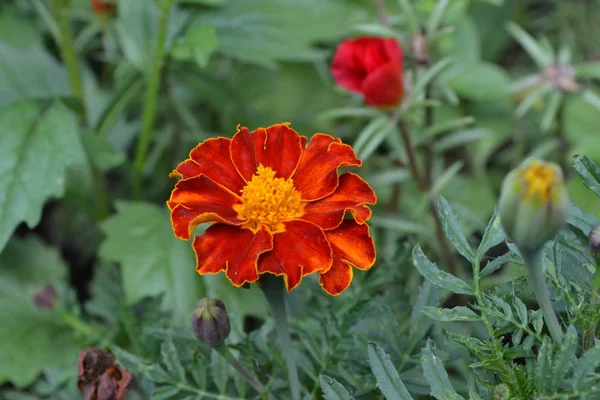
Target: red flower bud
x=103, y=7
x=371, y=66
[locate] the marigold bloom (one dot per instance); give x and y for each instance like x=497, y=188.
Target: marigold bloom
x=371, y=66
x=277, y=205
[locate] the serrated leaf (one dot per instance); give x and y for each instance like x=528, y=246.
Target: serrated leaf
x=153, y=261
x=435, y=373
x=430, y=271
x=171, y=360
x=133, y=363
x=495, y=264
x=36, y=147
x=563, y=360
x=332, y=389
x=543, y=366
x=585, y=365
x=458, y=313
x=219, y=371
x=538, y=322
x=165, y=392
x=453, y=230
x=385, y=373
x=198, y=43
x=429, y=295
x=31, y=340
x=589, y=172
x=493, y=235
x=521, y=310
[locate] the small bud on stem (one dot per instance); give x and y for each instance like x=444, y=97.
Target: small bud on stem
x=210, y=321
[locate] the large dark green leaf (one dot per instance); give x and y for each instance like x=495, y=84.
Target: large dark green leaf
x=36, y=147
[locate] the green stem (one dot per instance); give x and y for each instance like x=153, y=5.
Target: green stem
x=273, y=289
x=78, y=326
x=151, y=98
x=67, y=48
x=224, y=352
x=535, y=268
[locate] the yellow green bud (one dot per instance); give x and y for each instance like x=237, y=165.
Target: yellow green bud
x=210, y=321
x=534, y=204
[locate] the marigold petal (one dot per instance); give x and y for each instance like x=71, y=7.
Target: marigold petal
x=352, y=245
x=199, y=199
x=350, y=196
x=317, y=174
x=278, y=147
x=233, y=250
x=211, y=158
x=338, y=278
x=384, y=86
x=300, y=250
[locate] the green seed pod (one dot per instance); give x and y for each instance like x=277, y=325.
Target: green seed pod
x=534, y=204
x=595, y=240
x=501, y=392
x=210, y=321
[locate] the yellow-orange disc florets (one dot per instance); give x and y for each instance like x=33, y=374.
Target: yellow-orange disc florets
x=268, y=201
x=539, y=178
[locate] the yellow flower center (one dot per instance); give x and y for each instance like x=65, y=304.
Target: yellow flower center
x=268, y=201
x=539, y=178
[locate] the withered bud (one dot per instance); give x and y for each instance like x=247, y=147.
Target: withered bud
x=561, y=77
x=46, y=298
x=595, y=240
x=100, y=377
x=419, y=48
x=210, y=321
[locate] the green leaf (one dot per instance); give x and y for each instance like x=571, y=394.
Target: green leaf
x=429, y=295
x=495, y=264
x=539, y=55
x=136, y=364
x=589, y=172
x=435, y=374
x=551, y=110
x=199, y=42
x=493, y=235
x=102, y=155
x=521, y=310
x=480, y=81
x=219, y=371
x=588, y=70
x=451, y=314
x=31, y=340
x=164, y=393
x=543, y=366
x=36, y=148
x=585, y=365
x=563, y=360
x=333, y=390
x=153, y=261
x=30, y=73
x=171, y=360
x=452, y=229
x=439, y=278
x=388, y=380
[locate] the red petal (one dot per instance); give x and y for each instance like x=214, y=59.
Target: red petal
x=317, y=174
x=347, y=69
x=233, y=250
x=211, y=158
x=337, y=279
x=298, y=251
x=278, y=147
x=350, y=196
x=384, y=87
x=351, y=245
x=197, y=200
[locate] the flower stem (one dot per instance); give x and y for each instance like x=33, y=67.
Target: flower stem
x=151, y=97
x=67, y=48
x=535, y=268
x=224, y=352
x=273, y=289
x=424, y=186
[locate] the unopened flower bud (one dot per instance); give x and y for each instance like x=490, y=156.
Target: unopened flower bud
x=534, y=204
x=595, y=240
x=210, y=321
x=501, y=392
x=46, y=298
x=104, y=7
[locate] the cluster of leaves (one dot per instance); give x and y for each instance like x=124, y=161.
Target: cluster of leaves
x=490, y=95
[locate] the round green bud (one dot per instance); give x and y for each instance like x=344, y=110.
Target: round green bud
x=595, y=240
x=534, y=204
x=501, y=392
x=210, y=321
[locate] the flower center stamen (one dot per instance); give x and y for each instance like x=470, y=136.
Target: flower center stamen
x=540, y=179
x=268, y=201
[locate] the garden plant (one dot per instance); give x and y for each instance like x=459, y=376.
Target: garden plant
x=299, y=199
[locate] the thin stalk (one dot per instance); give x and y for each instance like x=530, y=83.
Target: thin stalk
x=424, y=186
x=151, y=98
x=382, y=12
x=429, y=146
x=67, y=48
x=274, y=291
x=535, y=268
x=562, y=142
x=224, y=352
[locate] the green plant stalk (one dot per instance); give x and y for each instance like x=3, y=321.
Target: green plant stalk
x=224, y=352
x=535, y=268
x=151, y=98
x=273, y=289
x=67, y=48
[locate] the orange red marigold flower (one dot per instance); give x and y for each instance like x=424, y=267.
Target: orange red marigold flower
x=277, y=205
